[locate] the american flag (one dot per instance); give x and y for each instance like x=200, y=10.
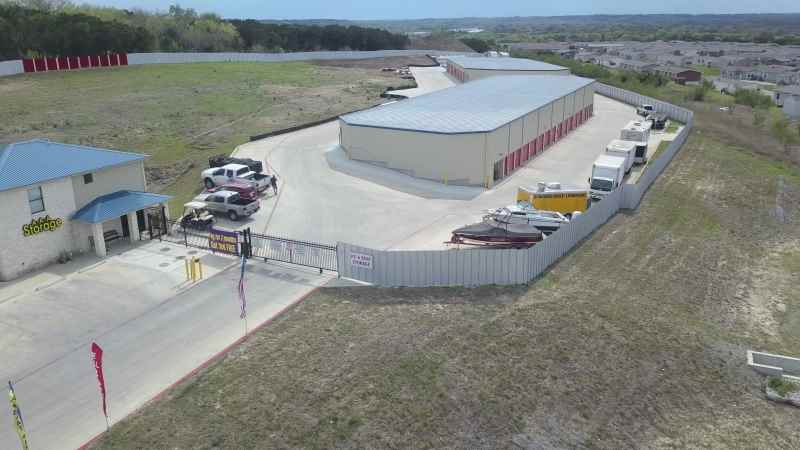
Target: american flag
x=243, y=313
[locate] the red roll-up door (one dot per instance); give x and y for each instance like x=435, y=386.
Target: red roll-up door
x=63, y=63
x=40, y=65
x=85, y=62
x=74, y=62
x=114, y=59
x=518, y=156
x=28, y=66
x=103, y=60
x=95, y=60
x=123, y=59
x=52, y=63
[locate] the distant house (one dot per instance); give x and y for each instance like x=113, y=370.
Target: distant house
x=635, y=65
x=680, y=75
x=778, y=74
x=788, y=98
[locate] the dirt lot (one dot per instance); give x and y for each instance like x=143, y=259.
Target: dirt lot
x=636, y=339
x=181, y=113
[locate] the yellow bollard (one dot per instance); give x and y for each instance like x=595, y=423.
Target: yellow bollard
x=186, y=266
x=199, y=269
x=194, y=271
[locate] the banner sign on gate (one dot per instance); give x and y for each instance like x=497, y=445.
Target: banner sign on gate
x=224, y=241
x=361, y=260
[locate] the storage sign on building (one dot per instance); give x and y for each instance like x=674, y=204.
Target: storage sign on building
x=471, y=134
x=60, y=198
x=472, y=68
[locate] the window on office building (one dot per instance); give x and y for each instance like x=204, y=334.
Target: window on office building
x=36, y=200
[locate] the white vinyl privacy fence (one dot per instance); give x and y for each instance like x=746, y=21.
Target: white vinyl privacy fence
x=11, y=67
x=474, y=267
x=178, y=58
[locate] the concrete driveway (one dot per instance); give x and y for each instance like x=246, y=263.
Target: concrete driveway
x=153, y=327
x=325, y=197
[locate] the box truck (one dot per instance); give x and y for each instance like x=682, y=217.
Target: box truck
x=607, y=174
x=638, y=132
x=623, y=149
x=554, y=197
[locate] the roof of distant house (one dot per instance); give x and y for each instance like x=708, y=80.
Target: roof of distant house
x=39, y=160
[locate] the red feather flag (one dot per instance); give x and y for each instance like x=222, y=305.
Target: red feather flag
x=97, y=358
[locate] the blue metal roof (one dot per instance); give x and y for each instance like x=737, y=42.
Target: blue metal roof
x=488, y=63
x=116, y=204
x=36, y=161
x=474, y=107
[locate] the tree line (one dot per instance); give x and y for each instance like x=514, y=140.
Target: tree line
x=36, y=28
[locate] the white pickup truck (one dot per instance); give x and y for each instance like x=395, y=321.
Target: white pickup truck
x=217, y=176
x=645, y=110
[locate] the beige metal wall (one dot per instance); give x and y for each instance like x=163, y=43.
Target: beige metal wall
x=477, y=74
x=459, y=158
x=455, y=158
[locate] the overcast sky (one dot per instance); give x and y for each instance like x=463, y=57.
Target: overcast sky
x=413, y=9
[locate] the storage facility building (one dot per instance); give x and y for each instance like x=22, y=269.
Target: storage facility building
x=60, y=198
x=471, y=134
x=471, y=68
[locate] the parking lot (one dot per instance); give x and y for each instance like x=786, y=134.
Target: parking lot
x=326, y=198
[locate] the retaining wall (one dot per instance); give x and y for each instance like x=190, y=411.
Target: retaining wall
x=475, y=267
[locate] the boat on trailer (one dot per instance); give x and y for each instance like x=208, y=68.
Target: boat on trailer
x=497, y=232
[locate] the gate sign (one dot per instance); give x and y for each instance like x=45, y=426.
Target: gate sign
x=224, y=241
x=361, y=260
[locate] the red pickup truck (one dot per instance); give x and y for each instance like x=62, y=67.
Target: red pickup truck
x=246, y=191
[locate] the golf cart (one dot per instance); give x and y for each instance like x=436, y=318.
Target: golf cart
x=196, y=216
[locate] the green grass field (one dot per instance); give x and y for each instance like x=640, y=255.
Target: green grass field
x=636, y=339
x=180, y=113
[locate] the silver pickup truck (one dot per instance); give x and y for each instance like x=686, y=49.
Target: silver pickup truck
x=229, y=203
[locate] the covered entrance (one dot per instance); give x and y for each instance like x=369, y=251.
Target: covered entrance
x=122, y=215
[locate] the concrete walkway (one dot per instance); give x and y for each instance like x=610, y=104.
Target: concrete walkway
x=153, y=329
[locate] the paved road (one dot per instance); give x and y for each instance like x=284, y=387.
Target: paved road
x=145, y=351
x=327, y=198
x=429, y=79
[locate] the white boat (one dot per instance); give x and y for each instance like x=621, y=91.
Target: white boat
x=546, y=221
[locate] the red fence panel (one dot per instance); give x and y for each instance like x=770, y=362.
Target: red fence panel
x=28, y=66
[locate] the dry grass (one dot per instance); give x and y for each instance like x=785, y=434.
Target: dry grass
x=181, y=113
x=636, y=339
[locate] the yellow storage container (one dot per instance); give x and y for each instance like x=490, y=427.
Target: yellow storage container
x=552, y=197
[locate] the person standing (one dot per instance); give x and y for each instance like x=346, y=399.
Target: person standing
x=273, y=181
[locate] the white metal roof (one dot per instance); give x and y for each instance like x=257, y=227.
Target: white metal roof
x=487, y=63
x=474, y=107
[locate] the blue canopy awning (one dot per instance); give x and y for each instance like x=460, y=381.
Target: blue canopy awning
x=114, y=205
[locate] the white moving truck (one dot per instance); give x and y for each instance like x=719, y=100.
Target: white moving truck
x=637, y=131
x=607, y=174
x=623, y=149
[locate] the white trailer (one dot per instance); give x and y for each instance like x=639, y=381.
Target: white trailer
x=623, y=149
x=637, y=131
x=607, y=174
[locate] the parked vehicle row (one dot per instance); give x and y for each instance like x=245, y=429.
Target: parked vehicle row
x=525, y=223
